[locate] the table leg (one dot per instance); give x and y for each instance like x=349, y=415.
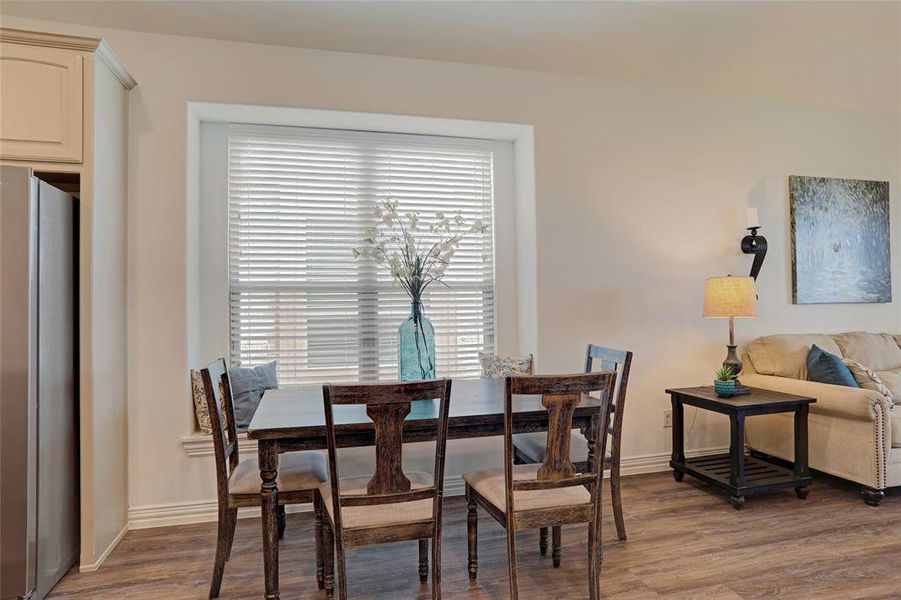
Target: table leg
x=268, y=458
x=678, y=456
x=737, y=456
x=801, y=458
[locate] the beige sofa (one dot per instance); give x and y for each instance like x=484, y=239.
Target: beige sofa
x=854, y=432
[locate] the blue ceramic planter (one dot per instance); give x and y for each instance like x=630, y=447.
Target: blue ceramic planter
x=724, y=389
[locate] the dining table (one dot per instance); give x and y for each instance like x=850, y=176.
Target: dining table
x=293, y=418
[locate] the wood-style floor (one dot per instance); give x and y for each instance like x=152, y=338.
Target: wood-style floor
x=685, y=542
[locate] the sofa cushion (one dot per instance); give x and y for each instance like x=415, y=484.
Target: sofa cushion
x=824, y=367
x=892, y=380
x=868, y=379
x=786, y=355
x=879, y=351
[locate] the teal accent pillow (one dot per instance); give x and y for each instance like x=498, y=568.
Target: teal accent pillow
x=824, y=367
x=248, y=385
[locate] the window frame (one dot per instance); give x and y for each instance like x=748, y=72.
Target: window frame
x=214, y=163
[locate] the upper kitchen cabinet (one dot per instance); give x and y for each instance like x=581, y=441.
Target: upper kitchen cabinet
x=46, y=94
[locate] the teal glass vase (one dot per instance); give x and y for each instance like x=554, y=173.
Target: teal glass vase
x=416, y=346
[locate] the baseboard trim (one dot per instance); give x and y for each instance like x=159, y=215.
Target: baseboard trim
x=204, y=511
x=112, y=545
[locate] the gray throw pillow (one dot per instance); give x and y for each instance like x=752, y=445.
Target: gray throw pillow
x=248, y=385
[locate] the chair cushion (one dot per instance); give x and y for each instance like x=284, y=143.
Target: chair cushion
x=495, y=366
x=786, y=355
x=297, y=471
x=533, y=445
x=879, y=351
x=248, y=385
x=378, y=515
x=869, y=379
x=490, y=485
x=824, y=367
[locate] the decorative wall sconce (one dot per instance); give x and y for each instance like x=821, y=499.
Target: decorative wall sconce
x=753, y=243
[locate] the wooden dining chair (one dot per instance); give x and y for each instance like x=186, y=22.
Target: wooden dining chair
x=391, y=506
x=238, y=481
x=530, y=447
x=551, y=493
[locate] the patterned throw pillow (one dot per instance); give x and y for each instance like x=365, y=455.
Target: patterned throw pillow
x=868, y=379
x=201, y=410
x=495, y=366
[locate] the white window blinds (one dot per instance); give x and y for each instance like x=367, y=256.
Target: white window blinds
x=300, y=200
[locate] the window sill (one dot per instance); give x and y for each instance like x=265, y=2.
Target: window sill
x=202, y=445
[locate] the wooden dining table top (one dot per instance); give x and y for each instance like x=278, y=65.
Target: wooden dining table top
x=476, y=409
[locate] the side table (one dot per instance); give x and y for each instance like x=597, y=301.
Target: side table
x=736, y=473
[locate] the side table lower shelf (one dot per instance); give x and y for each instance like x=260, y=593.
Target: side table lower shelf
x=759, y=476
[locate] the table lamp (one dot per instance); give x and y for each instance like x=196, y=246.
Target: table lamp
x=733, y=298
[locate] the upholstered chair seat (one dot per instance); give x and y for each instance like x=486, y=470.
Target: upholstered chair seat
x=490, y=485
x=297, y=471
x=379, y=515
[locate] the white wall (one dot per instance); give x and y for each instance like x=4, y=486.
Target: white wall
x=641, y=194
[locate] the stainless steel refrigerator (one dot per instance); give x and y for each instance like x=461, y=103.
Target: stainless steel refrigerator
x=39, y=516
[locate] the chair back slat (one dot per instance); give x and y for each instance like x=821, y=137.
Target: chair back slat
x=561, y=395
x=217, y=389
x=388, y=421
x=557, y=461
x=387, y=405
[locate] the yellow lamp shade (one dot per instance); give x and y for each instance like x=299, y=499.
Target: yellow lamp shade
x=730, y=297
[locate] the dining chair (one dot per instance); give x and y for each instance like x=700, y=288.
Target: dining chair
x=238, y=481
x=390, y=506
x=551, y=493
x=530, y=447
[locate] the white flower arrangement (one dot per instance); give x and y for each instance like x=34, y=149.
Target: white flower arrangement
x=398, y=243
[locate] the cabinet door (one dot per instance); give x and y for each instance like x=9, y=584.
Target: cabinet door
x=41, y=99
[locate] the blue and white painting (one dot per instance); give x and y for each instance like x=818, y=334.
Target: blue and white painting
x=841, y=250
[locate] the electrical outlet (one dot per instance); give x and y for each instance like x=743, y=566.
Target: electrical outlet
x=667, y=418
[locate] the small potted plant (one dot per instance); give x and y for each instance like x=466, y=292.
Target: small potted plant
x=724, y=384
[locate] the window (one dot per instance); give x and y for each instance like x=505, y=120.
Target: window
x=300, y=200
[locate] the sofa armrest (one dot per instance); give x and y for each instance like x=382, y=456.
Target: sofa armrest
x=841, y=401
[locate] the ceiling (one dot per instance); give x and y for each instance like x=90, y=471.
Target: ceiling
x=837, y=54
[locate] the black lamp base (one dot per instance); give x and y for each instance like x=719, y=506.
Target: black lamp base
x=741, y=389
x=733, y=362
